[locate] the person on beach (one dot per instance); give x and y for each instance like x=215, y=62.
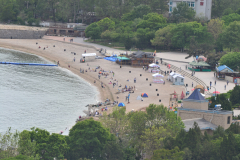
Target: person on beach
x=135, y=79
x=227, y=82
x=94, y=81
x=143, y=67
x=58, y=63
x=225, y=86
x=215, y=82
x=85, y=51
x=192, y=84
x=74, y=59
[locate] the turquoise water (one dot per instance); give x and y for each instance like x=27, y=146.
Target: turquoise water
x=49, y=98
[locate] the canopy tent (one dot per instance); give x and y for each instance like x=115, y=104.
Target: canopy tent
x=144, y=95
x=139, y=98
x=153, y=70
x=153, y=65
x=121, y=104
x=123, y=59
x=157, y=75
x=89, y=56
x=157, y=78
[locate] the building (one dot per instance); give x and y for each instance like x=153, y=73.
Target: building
x=177, y=79
x=66, y=29
x=203, y=8
x=140, y=59
x=195, y=109
x=225, y=73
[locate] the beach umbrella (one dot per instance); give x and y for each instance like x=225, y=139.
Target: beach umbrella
x=175, y=96
x=182, y=95
x=216, y=92
x=144, y=95
x=121, y=104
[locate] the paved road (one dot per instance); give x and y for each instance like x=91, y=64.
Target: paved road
x=206, y=77
x=109, y=50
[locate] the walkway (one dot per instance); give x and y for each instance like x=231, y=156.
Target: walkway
x=205, y=77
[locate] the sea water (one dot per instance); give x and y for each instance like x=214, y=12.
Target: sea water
x=50, y=98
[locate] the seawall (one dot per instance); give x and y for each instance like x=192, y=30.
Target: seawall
x=21, y=34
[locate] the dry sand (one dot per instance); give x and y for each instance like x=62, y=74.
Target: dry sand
x=65, y=58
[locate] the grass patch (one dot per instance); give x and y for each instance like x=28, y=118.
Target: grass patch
x=118, y=45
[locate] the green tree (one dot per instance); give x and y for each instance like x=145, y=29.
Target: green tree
x=137, y=12
x=106, y=24
x=228, y=147
x=25, y=146
x=153, y=139
x=231, y=18
x=8, y=144
x=8, y=13
x=231, y=35
x=223, y=100
x=153, y=21
x=163, y=37
x=87, y=139
x=234, y=97
x=184, y=32
x=234, y=128
x=231, y=60
x=93, y=31
x=143, y=37
x=183, y=13
x=215, y=27
x=20, y=157
x=164, y=154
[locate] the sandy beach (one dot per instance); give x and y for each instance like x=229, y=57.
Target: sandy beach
x=122, y=75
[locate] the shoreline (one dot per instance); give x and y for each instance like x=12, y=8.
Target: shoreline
x=87, y=78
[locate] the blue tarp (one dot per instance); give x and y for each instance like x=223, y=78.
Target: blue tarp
x=113, y=59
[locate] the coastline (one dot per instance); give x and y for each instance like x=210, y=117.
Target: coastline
x=89, y=79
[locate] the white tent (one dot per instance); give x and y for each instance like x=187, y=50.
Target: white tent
x=153, y=65
x=89, y=56
x=139, y=98
x=178, y=79
x=157, y=78
x=157, y=75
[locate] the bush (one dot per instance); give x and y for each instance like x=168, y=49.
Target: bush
x=20, y=21
x=31, y=21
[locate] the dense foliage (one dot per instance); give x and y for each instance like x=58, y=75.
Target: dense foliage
x=157, y=134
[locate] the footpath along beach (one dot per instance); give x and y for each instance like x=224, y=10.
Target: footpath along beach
x=122, y=75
